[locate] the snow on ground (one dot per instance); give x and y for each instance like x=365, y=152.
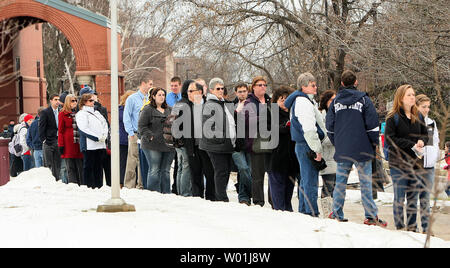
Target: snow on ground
x=36, y=211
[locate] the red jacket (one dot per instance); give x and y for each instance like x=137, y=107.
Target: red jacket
x=65, y=136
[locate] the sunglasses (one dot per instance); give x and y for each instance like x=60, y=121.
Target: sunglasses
x=74, y=100
x=220, y=88
x=261, y=85
x=91, y=100
x=191, y=91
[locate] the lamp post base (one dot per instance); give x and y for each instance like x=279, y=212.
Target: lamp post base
x=116, y=205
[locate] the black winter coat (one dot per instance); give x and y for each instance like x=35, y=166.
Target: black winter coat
x=283, y=158
x=48, y=131
x=401, y=137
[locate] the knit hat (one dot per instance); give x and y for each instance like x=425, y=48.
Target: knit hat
x=86, y=90
x=27, y=117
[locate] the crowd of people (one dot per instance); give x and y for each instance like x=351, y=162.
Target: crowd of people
x=196, y=126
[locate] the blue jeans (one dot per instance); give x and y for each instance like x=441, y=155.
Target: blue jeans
x=38, y=158
x=426, y=187
x=158, y=178
x=143, y=166
x=63, y=172
x=365, y=181
x=27, y=162
x=243, y=163
x=184, y=185
x=405, y=185
x=309, y=182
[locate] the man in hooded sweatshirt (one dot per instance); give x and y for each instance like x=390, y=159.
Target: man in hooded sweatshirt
x=353, y=128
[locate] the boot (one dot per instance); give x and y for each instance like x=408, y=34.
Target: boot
x=327, y=205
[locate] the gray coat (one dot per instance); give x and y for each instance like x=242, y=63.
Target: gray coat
x=150, y=128
x=328, y=153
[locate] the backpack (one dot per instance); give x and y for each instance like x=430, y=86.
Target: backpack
x=14, y=146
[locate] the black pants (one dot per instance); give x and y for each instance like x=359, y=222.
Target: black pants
x=123, y=161
x=74, y=170
x=328, y=183
x=175, y=173
x=15, y=165
x=222, y=167
x=52, y=159
x=106, y=168
x=92, y=168
x=260, y=164
x=201, y=165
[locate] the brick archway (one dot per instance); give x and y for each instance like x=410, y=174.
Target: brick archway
x=87, y=32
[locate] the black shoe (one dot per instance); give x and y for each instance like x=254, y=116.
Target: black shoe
x=245, y=202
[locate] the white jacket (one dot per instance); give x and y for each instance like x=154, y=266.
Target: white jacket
x=328, y=153
x=23, y=137
x=431, y=152
x=92, y=123
x=308, y=115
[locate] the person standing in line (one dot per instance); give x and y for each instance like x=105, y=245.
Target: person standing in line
x=151, y=130
x=123, y=136
x=131, y=113
x=308, y=132
x=26, y=152
x=69, y=140
x=199, y=163
x=172, y=98
x=242, y=155
x=283, y=168
x=353, y=128
x=406, y=135
x=219, y=136
x=48, y=133
x=202, y=82
x=329, y=173
x=93, y=130
x=63, y=171
x=33, y=140
x=260, y=158
x=183, y=180
x=431, y=156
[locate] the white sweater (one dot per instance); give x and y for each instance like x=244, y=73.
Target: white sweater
x=92, y=123
x=431, y=152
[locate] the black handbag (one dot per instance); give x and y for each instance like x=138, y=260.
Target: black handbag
x=319, y=165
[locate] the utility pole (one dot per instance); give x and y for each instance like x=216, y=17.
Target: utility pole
x=115, y=204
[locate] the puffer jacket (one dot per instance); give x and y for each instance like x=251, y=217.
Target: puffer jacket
x=92, y=127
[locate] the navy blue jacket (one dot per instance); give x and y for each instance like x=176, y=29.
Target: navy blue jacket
x=123, y=135
x=352, y=125
x=297, y=133
x=33, y=140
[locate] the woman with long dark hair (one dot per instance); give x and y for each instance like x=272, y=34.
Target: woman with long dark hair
x=93, y=130
x=151, y=132
x=406, y=135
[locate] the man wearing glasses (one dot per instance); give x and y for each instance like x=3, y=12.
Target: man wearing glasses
x=48, y=133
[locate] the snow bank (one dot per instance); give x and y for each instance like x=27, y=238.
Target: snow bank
x=36, y=211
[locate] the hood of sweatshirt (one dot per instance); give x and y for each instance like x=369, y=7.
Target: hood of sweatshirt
x=349, y=95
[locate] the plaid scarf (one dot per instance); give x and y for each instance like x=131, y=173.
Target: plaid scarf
x=76, y=134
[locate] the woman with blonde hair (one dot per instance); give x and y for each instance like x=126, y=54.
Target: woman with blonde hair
x=69, y=140
x=406, y=136
x=431, y=156
x=123, y=136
